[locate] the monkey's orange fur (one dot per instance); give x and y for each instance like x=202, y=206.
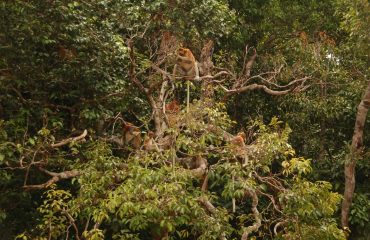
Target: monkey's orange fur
x=239, y=139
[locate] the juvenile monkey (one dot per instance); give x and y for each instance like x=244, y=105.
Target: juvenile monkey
x=65, y=53
x=238, y=145
x=149, y=142
x=239, y=140
x=173, y=107
x=187, y=67
x=132, y=135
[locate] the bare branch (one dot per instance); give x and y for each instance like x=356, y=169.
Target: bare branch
x=255, y=87
x=72, y=222
x=278, y=225
x=205, y=184
x=29, y=166
x=271, y=181
x=163, y=72
x=256, y=214
x=56, y=177
x=68, y=140
x=300, y=80
x=216, y=75
x=208, y=205
x=132, y=67
x=276, y=207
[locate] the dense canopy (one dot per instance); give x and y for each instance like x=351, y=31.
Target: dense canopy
x=171, y=119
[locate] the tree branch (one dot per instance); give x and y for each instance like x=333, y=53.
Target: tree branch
x=208, y=205
x=56, y=177
x=255, y=87
x=256, y=214
x=72, y=222
x=248, y=65
x=68, y=140
x=212, y=209
x=277, y=225
x=133, y=77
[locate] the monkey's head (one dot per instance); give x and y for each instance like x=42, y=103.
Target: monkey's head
x=173, y=107
x=151, y=134
x=128, y=126
x=183, y=52
x=242, y=135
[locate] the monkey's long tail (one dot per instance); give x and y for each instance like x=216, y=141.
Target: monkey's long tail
x=187, y=96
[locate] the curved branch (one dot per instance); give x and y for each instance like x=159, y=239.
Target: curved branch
x=208, y=205
x=256, y=214
x=56, y=177
x=68, y=140
x=216, y=75
x=255, y=87
x=278, y=225
x=300, y=80
x=269, y=196
x=271, y=181
x=212, y=209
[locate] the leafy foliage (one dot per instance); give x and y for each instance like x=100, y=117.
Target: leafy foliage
x=68, y=65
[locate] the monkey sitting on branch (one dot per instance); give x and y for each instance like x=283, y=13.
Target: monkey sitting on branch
x=131, y=135
x=187, y=67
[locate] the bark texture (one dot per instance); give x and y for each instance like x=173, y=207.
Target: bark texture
x=356, y=149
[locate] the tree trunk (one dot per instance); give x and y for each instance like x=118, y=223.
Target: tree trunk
x=322, y=122
x=356, y=147
x=206, y=66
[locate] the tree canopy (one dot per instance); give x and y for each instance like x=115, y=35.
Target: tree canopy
x=105, y=134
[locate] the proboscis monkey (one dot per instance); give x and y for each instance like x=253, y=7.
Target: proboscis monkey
x=172, y=107
x=132, y=135
x=187, y=67
x=149, y=142
x=238, y=143
x=239, y=140
x=65, y=53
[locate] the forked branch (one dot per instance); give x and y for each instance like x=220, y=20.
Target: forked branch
x=56, y=177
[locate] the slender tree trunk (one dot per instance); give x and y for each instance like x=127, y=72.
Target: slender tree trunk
x=356, y=147
x=322, y=122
